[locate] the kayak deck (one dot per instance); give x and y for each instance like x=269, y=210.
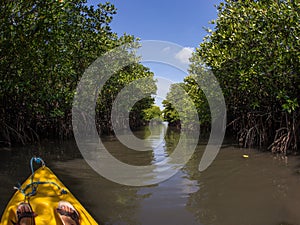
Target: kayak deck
x=49, y=191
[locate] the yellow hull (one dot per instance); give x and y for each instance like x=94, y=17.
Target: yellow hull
x=45, y=201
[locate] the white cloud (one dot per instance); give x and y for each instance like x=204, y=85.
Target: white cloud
x=184, y=55
x=166, y=49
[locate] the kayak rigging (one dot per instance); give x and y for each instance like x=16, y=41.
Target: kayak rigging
x=34, y=184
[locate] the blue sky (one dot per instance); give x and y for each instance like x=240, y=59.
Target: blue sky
x=178, y=22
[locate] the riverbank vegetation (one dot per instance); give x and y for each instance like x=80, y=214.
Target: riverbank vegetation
x=254, y=52
x=45, y=47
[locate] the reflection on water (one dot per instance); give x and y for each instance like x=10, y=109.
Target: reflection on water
x=260, y=190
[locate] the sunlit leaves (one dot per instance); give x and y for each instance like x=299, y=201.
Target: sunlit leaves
x=152, y=113
x=255, y=50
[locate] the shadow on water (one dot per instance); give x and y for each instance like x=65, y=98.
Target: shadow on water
x=259, y=190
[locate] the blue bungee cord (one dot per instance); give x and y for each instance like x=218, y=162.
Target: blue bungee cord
x=37, y=160
x=34, y=184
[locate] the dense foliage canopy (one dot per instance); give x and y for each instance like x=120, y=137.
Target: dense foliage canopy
x=45, y=46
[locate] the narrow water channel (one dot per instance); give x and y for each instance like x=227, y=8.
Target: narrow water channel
x=260, y=190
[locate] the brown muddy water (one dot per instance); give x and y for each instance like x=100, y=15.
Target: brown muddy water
x=263, y=189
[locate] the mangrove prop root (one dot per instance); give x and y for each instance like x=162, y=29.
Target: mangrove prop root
x=254, y=129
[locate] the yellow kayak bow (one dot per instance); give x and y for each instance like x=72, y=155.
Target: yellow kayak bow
x=43, y=191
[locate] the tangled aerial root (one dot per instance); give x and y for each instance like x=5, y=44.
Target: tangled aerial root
x=258, y=130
